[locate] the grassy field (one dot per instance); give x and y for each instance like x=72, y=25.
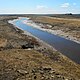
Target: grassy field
x=26, y=63
x=71, y=26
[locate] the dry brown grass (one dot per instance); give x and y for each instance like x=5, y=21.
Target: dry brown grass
x=71, y=26
x=58, y=21
x=3, y=42
x=17, y=59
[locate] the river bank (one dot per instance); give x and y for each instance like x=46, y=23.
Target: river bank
x=66, y=47
x=24, y=57
x=65, y=33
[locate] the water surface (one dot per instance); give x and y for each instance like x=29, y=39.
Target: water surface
x=67, y=47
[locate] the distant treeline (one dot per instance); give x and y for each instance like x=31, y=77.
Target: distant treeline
x=68, y=15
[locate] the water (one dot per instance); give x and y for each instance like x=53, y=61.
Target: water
x=69, y=48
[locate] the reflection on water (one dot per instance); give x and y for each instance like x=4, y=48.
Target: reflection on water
x=67, y=47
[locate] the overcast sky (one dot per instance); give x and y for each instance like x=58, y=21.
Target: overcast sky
x=39, y=6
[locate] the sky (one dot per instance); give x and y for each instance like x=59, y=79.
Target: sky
x=39, y=6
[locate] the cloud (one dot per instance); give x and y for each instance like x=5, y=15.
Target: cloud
x=74, y=4
x=65, y=5
x=41, y=7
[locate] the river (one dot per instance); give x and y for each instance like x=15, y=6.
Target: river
x=66, y=47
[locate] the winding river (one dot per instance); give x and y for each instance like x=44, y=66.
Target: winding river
x=67, y=47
